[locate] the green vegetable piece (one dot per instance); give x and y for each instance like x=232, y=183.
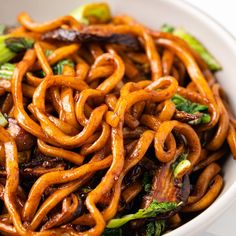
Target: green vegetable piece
x=206, y=118
x=155, y=228
x=3, y=120
x=167, y=28
x=112, y=232
x=180, y=158
x=6, y=70
x=186, y=105
x=58, y=68
x=99, y=11
x=147, y=182
x=182, y=168
x=153, y=210
x=194, y=43
x=5, y=53
x=19, y=44
x=48, y=52
x=10, y=46
x=183, y=104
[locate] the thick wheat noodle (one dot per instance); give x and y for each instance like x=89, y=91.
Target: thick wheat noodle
x=167, y=61
x=61, y=193
x=167, y=110
x=175, y=73
x=130, y=69
x=56, y=80
x=107, y=182
x=67, y=112
x=98, y=72
x=107, y=85
x=27, y=22
x=20, y=114
x=54, y=92
x=231, y=139
x=152, y=54
x=203, y=182
x=27, y=90
x=55, y=178
x=195, y=74
x=62, y=53
x=71, y=141
x=211, y=158
x=223, y=123
x=192, y=139
x=208, y=198
x=99, y=143
x=83, y=97
x=129, y=120
x=12, y=179
x=125, y=102
x=102, y=116
x=181, y=70
x=136, y=155
x=203, y=154
x=138, y=109
x=8, y=229
x=60, y=152
x=33, y=80
x=69, y=207
x=192, y=86
x=63, y=126
x=82, y=68
x=151, y=50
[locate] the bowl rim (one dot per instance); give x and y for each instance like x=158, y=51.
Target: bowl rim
x=208, y=216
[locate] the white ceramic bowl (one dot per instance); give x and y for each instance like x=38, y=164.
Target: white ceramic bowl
x=154, y=13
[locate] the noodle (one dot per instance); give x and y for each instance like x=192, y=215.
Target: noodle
x=98, y=121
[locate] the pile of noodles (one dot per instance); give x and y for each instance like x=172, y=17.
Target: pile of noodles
x=92, y=131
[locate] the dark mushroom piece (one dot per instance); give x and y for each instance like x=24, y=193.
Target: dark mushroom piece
x=88, y=36
x=186, y=117
x=167, y=188
x=24, y=140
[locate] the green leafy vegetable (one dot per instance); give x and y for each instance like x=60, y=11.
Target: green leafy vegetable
x=180, y=158
x=186, y=105
x=6, y=70
x=181, y=165
x=182, y=168
x=194, y=43
x=147, y=182
x=18, y=44
x=98, y=11
x=112, y=232
x=3, y=120
x=48, y=52
x=167, y=28
x=153, y=210
x=10, y=46
x=155, y=228
x=58, y=68
x=183, y=104
x=5, y=53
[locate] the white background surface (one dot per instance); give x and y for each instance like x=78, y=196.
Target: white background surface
x=224, y=12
